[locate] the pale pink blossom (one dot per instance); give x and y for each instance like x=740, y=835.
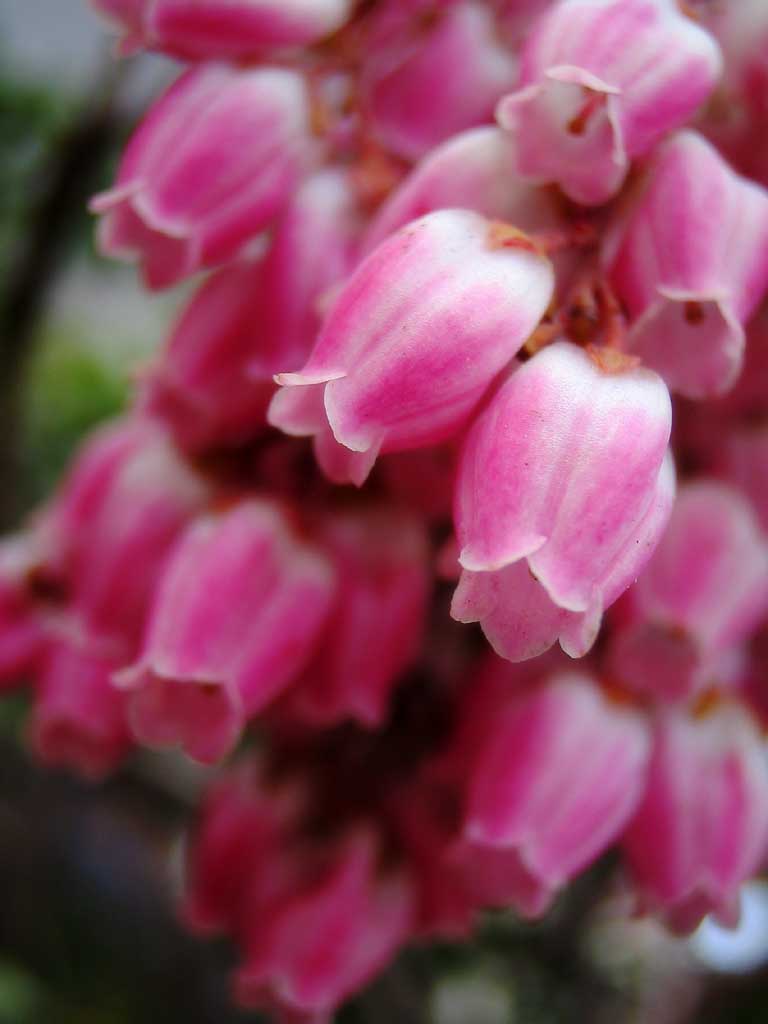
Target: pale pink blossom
x=212, y=163
x=235, y=617
x=601, y=81
x=702, y=827
x=703, y=592
x=557, y=779
x=562, y=493
x=689, y=258
x=414, y=339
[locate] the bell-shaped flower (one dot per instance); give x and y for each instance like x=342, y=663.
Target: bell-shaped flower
x=307, y=951
x=601, y=81
x=105, y=537
x=560, y=773
x=471, y=171
x=689, y=259
x=214, y=381
x=23, y=633
x=430, y=73
x=703, y=592
x=240, y=828
x=562, y=494
x=210, y=166
x=78, y=718
x=413, y=340
x=235, y=617
x=377, y=622
x=205, y=29
x=702, y=827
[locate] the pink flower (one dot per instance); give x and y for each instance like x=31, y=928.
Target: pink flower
x=702, y=827
x=105, y=537
x=703, y=593
x=235, y=618
x=377, y=622
x=558, y=776
x=431, y=73
x=78, y=719
x=690, y=261
x=743, y=461
x=601, y=82
x=562, y=493
x=202, y=29
x=414, y=339
x=211, y=165
x=240, y=832
x=470, y=171
x=128, y=17
x=214, y=382
x=23, y=634
x=309, y=950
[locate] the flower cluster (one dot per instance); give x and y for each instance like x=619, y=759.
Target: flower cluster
x=483, y=316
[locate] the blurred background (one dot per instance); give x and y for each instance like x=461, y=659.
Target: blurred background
x=88, y=874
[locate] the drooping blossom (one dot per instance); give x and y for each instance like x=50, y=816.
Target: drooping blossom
x=235, y=618
x=702, y=827
x=556, y=777
x=205, y=29
x=689, y=258
x=562, y=493
x=452, y=48
x=78, y=718
x=212, y=163
x=213, y=382
x=703, y=592
x=601, y=81
x=414, y=339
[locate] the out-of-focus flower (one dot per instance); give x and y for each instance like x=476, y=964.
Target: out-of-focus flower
x=702, y=827
x=213, y=383
x=235, y=618
x=78, y=719
x=213, y=162
x=562, y=494
x=703, y=593
x=414, y=339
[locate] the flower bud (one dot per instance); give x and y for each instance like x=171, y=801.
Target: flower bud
x=690, y=261
x=235, y=617
x=562, y=493
x=601, y=82
x=702, y=827
x=414, y=339
x=210, y=166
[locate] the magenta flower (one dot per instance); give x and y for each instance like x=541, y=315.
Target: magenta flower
x=702, y=827
x=414, y=339
x=690, y=260
x=601, y=81
x=562, y=494
x=235, y=618
x=211, y=165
